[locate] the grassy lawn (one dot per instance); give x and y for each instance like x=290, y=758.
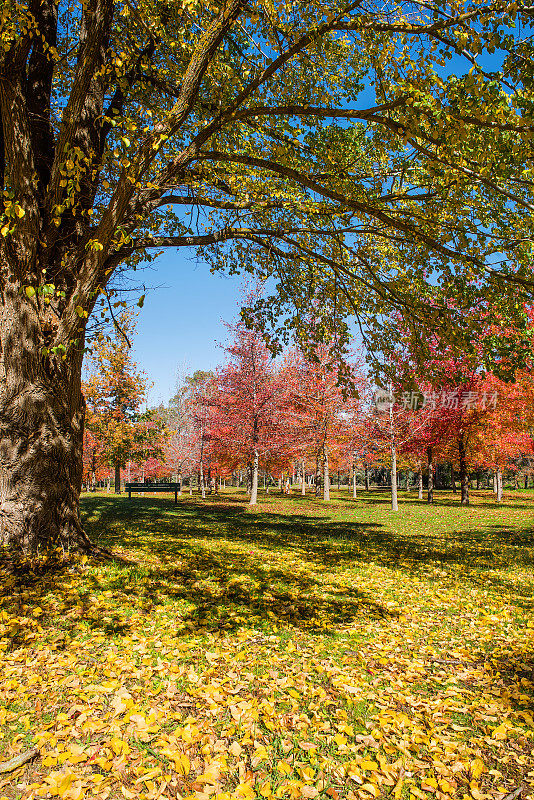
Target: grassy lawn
x=300, y=649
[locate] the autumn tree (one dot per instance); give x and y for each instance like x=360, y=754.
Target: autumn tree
x=115, y=395
x=180, y=418
x=119, y=118
x=249, y=403
x=317, y=409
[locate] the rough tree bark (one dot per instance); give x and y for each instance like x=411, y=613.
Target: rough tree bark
x=420, y=481
x=41, y=433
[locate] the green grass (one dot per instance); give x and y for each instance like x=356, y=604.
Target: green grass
x=387, y=654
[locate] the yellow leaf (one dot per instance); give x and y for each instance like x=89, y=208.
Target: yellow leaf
x=339, y=739
x=266, y=790
x=500, y=732
x=368, y=764
x=477, y=767
x=64, y=784
x=147, y=776
x=182, y=764
x=116, y=746
x=235, y=749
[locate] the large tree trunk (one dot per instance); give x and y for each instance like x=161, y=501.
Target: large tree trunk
x=41, y=433
x=254, y=486
x=464, y=478
x=430, y=493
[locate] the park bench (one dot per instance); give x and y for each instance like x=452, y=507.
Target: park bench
x=153, y=487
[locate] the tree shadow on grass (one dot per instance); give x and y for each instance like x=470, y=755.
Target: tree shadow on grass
x=329, y=542
x=322, y=543
x=229, y=565
x=213, y=567
x=222, y=565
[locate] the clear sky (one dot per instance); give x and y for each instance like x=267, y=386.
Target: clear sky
x=182, y=319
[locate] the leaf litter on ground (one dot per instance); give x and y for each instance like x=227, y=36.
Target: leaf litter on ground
x=302, y=650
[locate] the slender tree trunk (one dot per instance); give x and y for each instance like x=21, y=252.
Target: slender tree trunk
x=499, y=485
x=201, y=480
x=326, y=475
x=354, y=494
x=464, y=478
x=41, y=434
x=420, y=481
x=254, y=486
x=394, y=503
x=317, y=476
x=366, y=472
x=453, y=482
x=117, y=478
x=430, y=493
x=495, y=487
x=303, y=476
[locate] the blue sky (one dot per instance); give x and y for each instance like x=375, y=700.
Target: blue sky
x=182, y=319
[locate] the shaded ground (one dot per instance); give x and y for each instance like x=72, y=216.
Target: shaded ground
x=367, y=653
